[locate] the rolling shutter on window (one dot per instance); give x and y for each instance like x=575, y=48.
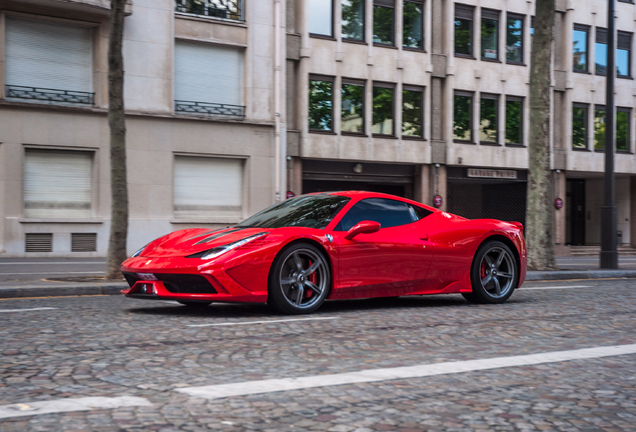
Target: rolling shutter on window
x=208, y=73
x=57, y=184
x=208, y=187
x=48, y=55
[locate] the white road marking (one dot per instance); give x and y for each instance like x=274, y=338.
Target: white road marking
x=68, y=405
x=51, y=263
x=27, y=310
x=260, y=322
x=387, y=374
x=51, y=273
x=556, y=287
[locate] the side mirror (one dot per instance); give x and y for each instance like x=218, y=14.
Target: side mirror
x=364, y=227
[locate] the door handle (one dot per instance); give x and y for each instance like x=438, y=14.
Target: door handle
x=424, y=237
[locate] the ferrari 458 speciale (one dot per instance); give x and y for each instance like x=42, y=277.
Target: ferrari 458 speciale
x=298, y=253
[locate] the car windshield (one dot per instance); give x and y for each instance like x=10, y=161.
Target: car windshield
x=311, y=211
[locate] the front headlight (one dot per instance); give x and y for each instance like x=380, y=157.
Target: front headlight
x=220, y=250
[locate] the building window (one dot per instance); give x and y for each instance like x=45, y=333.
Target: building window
x=463, y=117
x=600, y=51
x=320, y=13
x=514, y=38
x=464, y=30
x=353, y=20
x=207, y=187
x=488, y=118
x=208, y=79
x=413, y=25
x=599, y=127
x=320, y=104
x=623, y=54
x=413, y=112
x=383, y=25
x=622, y=129
x=58, y=184
x=383, y=109
x=579, y=126
x=514, y=120
x=227, y=9
x=579, y=47
x=48, y=62
x=489, y=34
x=352, y=114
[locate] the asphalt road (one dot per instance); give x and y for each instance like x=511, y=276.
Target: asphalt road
x=407, y=364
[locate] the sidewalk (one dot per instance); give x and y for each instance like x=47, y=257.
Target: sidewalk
x=69, y=284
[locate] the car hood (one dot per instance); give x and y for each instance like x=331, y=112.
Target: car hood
x=190, y=241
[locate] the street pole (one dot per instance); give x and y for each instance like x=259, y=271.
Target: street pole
x=609, y=254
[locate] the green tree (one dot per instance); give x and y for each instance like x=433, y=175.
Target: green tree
x=539, y=219
x=117, y=123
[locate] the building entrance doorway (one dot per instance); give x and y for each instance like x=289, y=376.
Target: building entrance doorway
x=575, y=217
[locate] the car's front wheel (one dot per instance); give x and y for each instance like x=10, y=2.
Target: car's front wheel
x=493, y=274
x=299, y=280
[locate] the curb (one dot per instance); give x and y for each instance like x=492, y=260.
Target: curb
x=62, y=290
x=578, y=274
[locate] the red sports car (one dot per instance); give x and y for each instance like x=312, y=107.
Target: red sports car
x=342, y=245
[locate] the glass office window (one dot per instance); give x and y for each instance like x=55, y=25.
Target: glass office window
x=599, y=128
x=579, y=48
x=352, y=113
x=488, y=116
x=489, y=34
x=464, y=30
x=622, y=129
x=353, y=19
x=623, y=54
x=514, y=38
x=579, y=126
x=382, y=109
x=320, y=17
x=412, y=112
x=514, y=121
x=383, y=25
x=600, y=51
x=462, y=117
x=320, y=104
x=413, y=23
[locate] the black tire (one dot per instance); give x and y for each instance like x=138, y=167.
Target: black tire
x=299, y=280
x=494, y=274
x=195, y=304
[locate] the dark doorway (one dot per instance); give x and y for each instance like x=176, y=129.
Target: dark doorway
x=575, y=205
x=488, y=199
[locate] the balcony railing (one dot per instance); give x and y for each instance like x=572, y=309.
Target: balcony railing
x=210, y=109
x=227, y=9
x=49, y=95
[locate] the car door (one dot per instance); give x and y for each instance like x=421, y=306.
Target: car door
x=389, y=262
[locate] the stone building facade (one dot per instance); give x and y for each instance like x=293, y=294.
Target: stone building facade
x=232, y=103
x=469, y=60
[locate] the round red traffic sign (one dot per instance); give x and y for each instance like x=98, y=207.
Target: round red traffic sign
x=290, y=194
x=558, y=203
x=437, y=201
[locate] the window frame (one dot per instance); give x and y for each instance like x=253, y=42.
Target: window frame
x=621, y=38
x=492, y=15
x=386, y=4
x=600, y=34
x=585, y=123
x=521, y=101
x=471, y=95
x=420, y=89
x=364, y=25
x=332, y=80
x=464, y=12
x=522, y=18
x=332, y=36
x=586, y=29
x=392, y=86
x=628, y=111
x=363, y=84
x=496, y=98
x=407, y=48
x=599, y=108
x=338, y=227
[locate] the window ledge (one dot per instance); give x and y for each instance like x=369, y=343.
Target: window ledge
x=581, y=149
x=515, y=145
x=322, y=132
x=465, y=56
x=354, y=41
x=207, y=221
x=627, y=77
x=412, y=138
x=319, y=36
x=412, y=49
x=490, y=60
x=384, y=136
x=206, y=18
x=383, y=45
x=62, y=221
x=463, y=142
x=489, y=143
x=513, y=63
x=582, y=72
x=353, y=134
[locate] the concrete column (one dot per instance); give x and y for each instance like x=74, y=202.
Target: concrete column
x=632, y=213
x=295, y=175
x=560, y=191
x=422, y=187
x=438, y=185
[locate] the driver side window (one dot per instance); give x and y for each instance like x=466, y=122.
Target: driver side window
x=387, y=212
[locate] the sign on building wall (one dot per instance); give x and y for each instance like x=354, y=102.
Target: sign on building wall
x=491, y=173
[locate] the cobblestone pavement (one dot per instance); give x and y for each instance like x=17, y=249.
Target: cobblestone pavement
x=112, y=346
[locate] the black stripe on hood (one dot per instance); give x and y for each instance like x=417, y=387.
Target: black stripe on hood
x=216, y=236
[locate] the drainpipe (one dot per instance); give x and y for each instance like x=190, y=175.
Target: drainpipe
x=280, y=131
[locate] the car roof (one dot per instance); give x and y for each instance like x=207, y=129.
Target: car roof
x=366, y=194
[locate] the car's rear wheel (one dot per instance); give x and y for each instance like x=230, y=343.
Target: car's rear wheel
x=195, y=304
x=299, y=280
x=493, y=274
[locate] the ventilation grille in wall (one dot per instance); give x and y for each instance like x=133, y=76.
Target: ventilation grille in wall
x=39, y=242
x=83, y=242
